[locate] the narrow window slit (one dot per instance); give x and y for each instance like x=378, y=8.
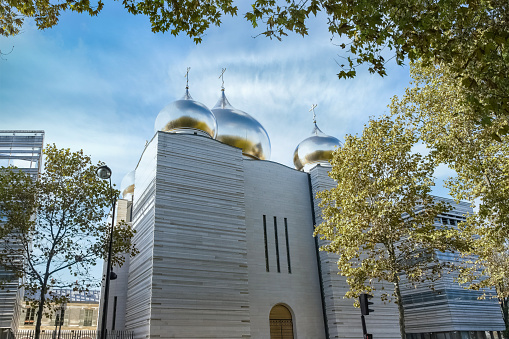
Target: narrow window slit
x=277, y=246
x=287, y=247
x=265, y=240
x=114, y=314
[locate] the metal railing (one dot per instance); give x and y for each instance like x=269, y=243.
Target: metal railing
x=70, y=334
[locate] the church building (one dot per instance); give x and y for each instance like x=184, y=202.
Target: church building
x=225, y=237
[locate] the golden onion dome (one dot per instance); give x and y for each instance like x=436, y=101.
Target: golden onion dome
x=239, y=129
x=317, y=149
x=186, y=116
x=127, y=186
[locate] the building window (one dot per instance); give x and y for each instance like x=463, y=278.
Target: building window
x=30, y=316
x=287, y=247
x=59, y=320
x=265, y=241
x=87, y=321
x=114, y=313
x=277, y=245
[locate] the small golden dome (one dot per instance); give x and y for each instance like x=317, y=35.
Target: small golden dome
x=317, y=149
x=186, y=116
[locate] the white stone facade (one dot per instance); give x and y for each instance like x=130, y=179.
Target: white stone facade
x=223, y=239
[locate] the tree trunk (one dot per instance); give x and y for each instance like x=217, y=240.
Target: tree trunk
x=401, y=310
x=397, y=290
x=40, y=311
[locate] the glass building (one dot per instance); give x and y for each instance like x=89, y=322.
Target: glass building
x=22, y=149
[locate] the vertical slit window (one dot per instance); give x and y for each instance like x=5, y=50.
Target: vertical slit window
x=114, y=314
x=277, y=246
x=287, y=247
x=130, y=211
x=265, y=241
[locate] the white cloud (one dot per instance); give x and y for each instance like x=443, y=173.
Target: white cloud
x=98, y=83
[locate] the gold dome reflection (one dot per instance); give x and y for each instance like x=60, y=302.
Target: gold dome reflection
x=239, y=129
x=318, y=148
x=186, y=116
x=187, y=122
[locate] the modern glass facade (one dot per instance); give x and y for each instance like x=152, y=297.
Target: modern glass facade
x=457, y=335
x=22, y=149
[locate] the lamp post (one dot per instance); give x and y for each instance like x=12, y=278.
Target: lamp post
x=104, y=172
x=62, y=312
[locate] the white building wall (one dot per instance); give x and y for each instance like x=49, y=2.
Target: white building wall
x=202, y=269
x=197, y=258
x=343, y=319
x=277, y=191
x=138, y=306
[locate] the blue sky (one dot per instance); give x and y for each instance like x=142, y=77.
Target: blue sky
x=98, y=83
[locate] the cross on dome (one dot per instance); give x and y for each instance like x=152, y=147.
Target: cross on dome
x=222, y=77
x=187, y=77
x=314, y=114
x=316, y=149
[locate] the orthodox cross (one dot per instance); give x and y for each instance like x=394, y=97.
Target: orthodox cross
x=187, y=77
x=314, y=114
x=222, y=78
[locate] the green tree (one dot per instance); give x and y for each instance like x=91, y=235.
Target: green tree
x=53, y=228
x=380, y=217
x=436, y=105
x=191, y=17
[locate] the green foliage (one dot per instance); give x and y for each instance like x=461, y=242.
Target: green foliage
x=193, y=17
x=190, y=16
x=53, y=229
x=448, y=125
x=471, y=37
x=45, y=12
x=380, y=217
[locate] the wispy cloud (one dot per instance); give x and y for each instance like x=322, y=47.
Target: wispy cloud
x=99, y=83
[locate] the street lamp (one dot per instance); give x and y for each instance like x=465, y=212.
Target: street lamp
x=104, y=172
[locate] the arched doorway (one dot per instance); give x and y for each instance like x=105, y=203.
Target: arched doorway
x=281, y=324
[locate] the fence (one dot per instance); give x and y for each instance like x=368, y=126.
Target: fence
x=30, y=334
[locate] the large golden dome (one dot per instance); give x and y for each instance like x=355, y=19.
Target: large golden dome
x=317, y=149
x=239, y=129
x=186, y=116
